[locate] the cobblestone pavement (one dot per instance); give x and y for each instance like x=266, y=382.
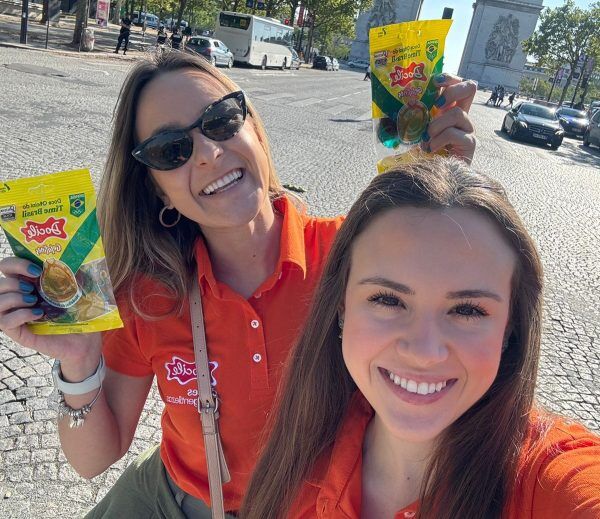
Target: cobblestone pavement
x=321, y=135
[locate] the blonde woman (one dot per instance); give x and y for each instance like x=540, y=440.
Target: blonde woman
x=410, y=393
x=190, y=195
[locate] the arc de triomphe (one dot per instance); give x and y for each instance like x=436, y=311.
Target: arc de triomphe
x=492, y=53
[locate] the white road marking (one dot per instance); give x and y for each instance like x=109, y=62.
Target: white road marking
x=278, y=95
x=306, y=102
x=338, y=108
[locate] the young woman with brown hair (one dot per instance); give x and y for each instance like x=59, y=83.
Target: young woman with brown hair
x=190, y=197
x=411, y=390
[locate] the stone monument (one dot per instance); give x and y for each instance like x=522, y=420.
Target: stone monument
x=383, y=12
x=493, y=54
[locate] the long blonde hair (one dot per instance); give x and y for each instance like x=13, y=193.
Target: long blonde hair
x=128, y=203
x=473, y=469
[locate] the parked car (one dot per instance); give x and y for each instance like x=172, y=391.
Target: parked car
x=151, y=19
x=592, y=134
x=533, y=122
x=169, y=23
x=574, y=122
x=323, y=63
x=358, y=64
x=594, y=105
x=335, y=65
x=295, y=64
x=213, y=50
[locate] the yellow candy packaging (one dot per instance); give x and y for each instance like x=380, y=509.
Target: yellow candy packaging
x=405, y=57
x=51, y=221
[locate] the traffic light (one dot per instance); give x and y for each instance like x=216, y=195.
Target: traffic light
x=250, y=4
x=260, y=6
x=286, y=21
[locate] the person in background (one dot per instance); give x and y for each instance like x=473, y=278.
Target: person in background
x=161, y=37
x=410, y=392
x=368, y=73
x=190, y=198
x=124, y=34
x=511, y=100
x=176, y=39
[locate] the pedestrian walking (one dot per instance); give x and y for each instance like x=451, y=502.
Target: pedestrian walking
x=176, y=39
x=161, y=37
x=493, y=97
x=511, y=100
x=411, y=391
x=500, y=99
x=368, y=73
x=191, y=209
x=124, y=34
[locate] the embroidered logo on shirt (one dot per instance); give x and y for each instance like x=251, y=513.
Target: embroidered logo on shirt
x=184, y=371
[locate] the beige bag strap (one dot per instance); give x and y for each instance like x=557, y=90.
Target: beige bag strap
x=208, y=407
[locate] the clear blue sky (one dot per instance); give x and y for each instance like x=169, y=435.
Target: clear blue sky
x=463, y=12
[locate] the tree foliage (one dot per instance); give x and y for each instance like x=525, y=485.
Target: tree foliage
x=564, y=34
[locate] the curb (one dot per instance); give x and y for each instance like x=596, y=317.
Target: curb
x=71, y=53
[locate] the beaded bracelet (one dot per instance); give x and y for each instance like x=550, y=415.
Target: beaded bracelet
x=77, y=415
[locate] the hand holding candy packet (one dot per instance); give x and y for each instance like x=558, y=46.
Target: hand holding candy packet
x=51, y=221
x=405, y=58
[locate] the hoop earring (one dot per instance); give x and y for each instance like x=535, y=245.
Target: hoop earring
x=161, y=216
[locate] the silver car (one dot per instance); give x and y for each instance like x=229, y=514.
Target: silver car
x=213, y=50
x=592, y=134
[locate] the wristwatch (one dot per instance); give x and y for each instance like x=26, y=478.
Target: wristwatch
x=94, y=381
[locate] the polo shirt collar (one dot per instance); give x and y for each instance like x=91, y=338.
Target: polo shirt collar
x=291, y=244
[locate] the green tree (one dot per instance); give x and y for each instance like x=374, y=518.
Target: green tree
x=564, y=34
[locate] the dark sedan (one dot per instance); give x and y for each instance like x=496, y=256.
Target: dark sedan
x=533, y=122
x=323, y=63
x=574, y=122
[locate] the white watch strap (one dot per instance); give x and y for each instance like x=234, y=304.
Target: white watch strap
x=94, y=381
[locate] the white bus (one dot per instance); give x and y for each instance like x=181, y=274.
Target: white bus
x=255, y=40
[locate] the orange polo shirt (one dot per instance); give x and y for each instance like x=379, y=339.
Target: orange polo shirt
x=248, y=342
x=560, y=478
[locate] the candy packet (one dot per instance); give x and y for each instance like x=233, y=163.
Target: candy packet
x=405, y=57
x=51, y=221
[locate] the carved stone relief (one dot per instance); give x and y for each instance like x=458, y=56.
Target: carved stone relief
x=503, y=40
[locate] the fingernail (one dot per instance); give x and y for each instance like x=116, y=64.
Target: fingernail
x=25, y=287
x=440, y=78
x=37, y=311
x=425, y=136
x=29, y=298
x=34, y=270
x=440, y=101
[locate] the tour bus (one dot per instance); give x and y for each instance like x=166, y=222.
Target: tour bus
x=255, y=40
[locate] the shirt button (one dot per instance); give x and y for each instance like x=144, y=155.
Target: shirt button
x=257, y=357
x=254, y=323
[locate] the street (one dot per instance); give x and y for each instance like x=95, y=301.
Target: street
x=55, y=113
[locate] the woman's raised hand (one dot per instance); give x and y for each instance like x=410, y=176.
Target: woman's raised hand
x=18, y=306
x=451, y=127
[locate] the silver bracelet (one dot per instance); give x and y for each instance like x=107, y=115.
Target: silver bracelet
x=77, y=415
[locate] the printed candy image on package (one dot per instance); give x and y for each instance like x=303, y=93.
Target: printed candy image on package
x=405, y=57
x=51, y=221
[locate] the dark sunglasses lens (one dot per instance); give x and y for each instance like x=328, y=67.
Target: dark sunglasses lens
x=223, y=120
x=168, y=150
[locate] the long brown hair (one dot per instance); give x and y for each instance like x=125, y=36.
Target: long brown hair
x=128, y=203
x=473, y=468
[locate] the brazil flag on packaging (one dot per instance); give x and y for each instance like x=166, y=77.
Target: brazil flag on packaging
x=51, y=221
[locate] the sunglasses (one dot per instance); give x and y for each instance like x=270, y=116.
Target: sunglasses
x=171, y=149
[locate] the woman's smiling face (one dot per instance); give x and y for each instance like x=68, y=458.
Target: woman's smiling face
x=234, y=172
x=426, y=310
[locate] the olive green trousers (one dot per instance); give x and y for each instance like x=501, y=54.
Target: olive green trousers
x=143, y=492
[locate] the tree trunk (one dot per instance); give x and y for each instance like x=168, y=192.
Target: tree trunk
x=117, y=12
x=44, y=13
x=80, y=21
x=563, y=94
x=293, y=11
x=180, y=14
